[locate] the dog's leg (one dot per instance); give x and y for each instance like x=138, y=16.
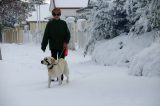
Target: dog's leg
x=49, y=81
x=62, y=77
x=67, y=78
x=59, y=80
x=66, y=72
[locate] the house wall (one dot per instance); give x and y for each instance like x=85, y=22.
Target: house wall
x=68, y=12
x=33, y=25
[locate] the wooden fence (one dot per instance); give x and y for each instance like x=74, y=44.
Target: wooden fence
x=12, y=35
x=79, y=35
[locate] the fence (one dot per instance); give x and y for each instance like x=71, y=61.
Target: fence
x=13, y=35
x=82, y=33
x=79, y=34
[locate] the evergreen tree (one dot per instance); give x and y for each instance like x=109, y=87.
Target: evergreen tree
x=155, y=11
x=109, y=21
x=144, y=15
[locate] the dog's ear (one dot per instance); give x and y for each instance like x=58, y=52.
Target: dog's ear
x=53, y=61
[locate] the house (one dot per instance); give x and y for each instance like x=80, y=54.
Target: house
x=68, y=7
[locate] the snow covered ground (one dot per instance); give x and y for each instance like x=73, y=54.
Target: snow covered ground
x=23, y=82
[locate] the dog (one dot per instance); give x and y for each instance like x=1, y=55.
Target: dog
x=56, y=68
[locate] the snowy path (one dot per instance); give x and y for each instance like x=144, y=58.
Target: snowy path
x=23, y=82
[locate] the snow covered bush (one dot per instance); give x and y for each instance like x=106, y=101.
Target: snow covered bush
x=140, y=53
x=120, y=50
x=147, y=62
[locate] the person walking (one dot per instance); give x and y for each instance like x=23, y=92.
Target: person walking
x=57, y=34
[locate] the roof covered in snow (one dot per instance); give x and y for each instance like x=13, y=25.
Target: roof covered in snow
x=64, y=4
x=70, y=3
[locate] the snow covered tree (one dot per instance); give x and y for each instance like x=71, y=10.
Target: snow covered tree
x=144, y=15
x=12, y=11
x=120, y=22
x=155, y=11
x=98, y=21
x=15, y=11
x=109, y=21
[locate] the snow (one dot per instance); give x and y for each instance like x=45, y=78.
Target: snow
x=140, y=53
x=23, y=81
x=120, y=49
x=123, y=71
x=147, y=62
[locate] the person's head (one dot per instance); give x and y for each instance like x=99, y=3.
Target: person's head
x=56, y=13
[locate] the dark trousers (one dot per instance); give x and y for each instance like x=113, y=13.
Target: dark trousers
x=60, y=53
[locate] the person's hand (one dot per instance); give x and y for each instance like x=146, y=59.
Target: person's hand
x=65, y=45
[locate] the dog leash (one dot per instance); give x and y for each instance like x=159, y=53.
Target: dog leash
x=52, y=65
x=60, y=54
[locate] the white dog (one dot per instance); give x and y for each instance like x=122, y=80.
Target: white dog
x=56, y=68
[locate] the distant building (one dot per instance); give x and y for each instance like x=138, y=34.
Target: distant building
x=68, y=7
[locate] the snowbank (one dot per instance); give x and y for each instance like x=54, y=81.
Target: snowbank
x=147, y=62
x=138, y=53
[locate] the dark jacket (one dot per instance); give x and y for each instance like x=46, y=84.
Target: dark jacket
x=56, y=33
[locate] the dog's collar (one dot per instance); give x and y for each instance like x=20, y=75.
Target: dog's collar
x=50, y=66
